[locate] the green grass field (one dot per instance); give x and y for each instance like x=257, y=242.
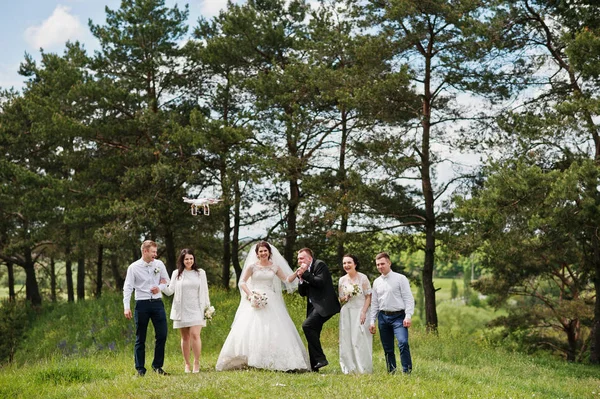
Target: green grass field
x=85, y=350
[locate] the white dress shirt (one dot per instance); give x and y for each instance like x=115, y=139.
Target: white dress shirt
x=141, y=277
x=391, y=293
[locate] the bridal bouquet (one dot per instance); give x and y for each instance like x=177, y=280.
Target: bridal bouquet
x=351, y=290
x=209, y=312
x=258, y=300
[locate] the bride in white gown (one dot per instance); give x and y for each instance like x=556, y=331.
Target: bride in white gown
x=262, y=334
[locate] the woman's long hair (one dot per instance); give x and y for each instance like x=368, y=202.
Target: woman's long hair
x=181, y=266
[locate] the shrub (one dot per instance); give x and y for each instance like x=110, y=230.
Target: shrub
x=14, y=320
x=454, y=290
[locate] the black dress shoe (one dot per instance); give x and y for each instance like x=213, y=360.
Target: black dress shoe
x=141, y=373
x=160, y=371
x=317, y=366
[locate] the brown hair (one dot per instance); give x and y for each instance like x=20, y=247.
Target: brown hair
x=147, y=244
x=383, y=255
x=308, y=251
x=181, y=266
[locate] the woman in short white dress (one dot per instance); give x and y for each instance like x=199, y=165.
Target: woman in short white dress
x=191, y=299
x=356, y=342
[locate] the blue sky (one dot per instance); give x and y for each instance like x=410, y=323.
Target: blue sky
x=27, y=25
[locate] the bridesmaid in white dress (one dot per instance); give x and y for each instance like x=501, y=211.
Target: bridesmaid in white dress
x=191, y=299
x=262, y=334
x=356, y=342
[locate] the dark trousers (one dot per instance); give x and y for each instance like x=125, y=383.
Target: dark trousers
x=390, y=327
x=312, y=327
x=144, y=312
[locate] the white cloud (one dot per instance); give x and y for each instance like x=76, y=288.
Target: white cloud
x=56, y=30
x=211, y=8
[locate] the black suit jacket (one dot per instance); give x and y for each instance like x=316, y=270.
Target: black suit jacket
x=318, y=288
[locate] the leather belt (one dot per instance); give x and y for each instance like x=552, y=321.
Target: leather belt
x=392, y=313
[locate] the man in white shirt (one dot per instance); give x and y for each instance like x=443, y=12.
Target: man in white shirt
x=393, y=305
x=147, y=277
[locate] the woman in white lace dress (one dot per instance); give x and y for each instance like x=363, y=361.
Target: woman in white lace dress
x=262, y=334
x=356, y=342
x=190, y=287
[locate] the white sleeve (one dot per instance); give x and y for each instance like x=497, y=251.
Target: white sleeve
x=247, y=274
x=169, y=288
x=205, y=298
x=128, y=288
x=374, y=304
x=365, y=285
x=407, y=297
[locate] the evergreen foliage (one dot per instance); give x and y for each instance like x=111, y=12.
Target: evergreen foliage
x=312, y=122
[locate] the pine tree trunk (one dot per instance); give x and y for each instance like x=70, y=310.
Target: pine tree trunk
x=290, y=230
x=11, y=282
x=52, y=280
x=81, y=277
x=32, y=290
x=225, y=267
x=69, y=270
x=99, y=271
x=343, y=185
x=430, y=220
x=114, y=268
x=135, y=254
x=170, y=252
x=595, y=338
x=235, y=244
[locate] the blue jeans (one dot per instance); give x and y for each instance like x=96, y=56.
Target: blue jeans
x=144, y=312
x=390, y=326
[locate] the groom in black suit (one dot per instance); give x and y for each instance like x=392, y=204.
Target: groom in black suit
x=322, y=303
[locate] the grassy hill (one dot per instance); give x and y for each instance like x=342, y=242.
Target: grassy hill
x=85, y=350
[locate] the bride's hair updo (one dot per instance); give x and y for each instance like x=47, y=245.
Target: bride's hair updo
x=354, y=259
x=266, y=245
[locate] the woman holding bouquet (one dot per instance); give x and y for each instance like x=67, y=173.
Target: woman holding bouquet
x=190, y=303
x=356, y=342
x=262, y=334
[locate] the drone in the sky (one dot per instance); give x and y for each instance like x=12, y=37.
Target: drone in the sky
x=201, y=203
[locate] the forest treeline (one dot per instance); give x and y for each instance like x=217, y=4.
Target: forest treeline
x=325, y=125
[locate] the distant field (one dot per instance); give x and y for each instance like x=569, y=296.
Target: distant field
x=19, y=289
x=445, y=285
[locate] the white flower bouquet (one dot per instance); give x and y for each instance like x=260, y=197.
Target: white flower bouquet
x=351, y=290
x=258, y=300
x=209, y=312
x=156, y=270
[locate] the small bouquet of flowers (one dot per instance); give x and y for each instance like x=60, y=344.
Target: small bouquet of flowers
x=351, y=290
x=258, y=300
x=156, y=270
x=209, y=312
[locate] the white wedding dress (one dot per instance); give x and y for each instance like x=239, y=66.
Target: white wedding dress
x=356, y=341
x=264, y=338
